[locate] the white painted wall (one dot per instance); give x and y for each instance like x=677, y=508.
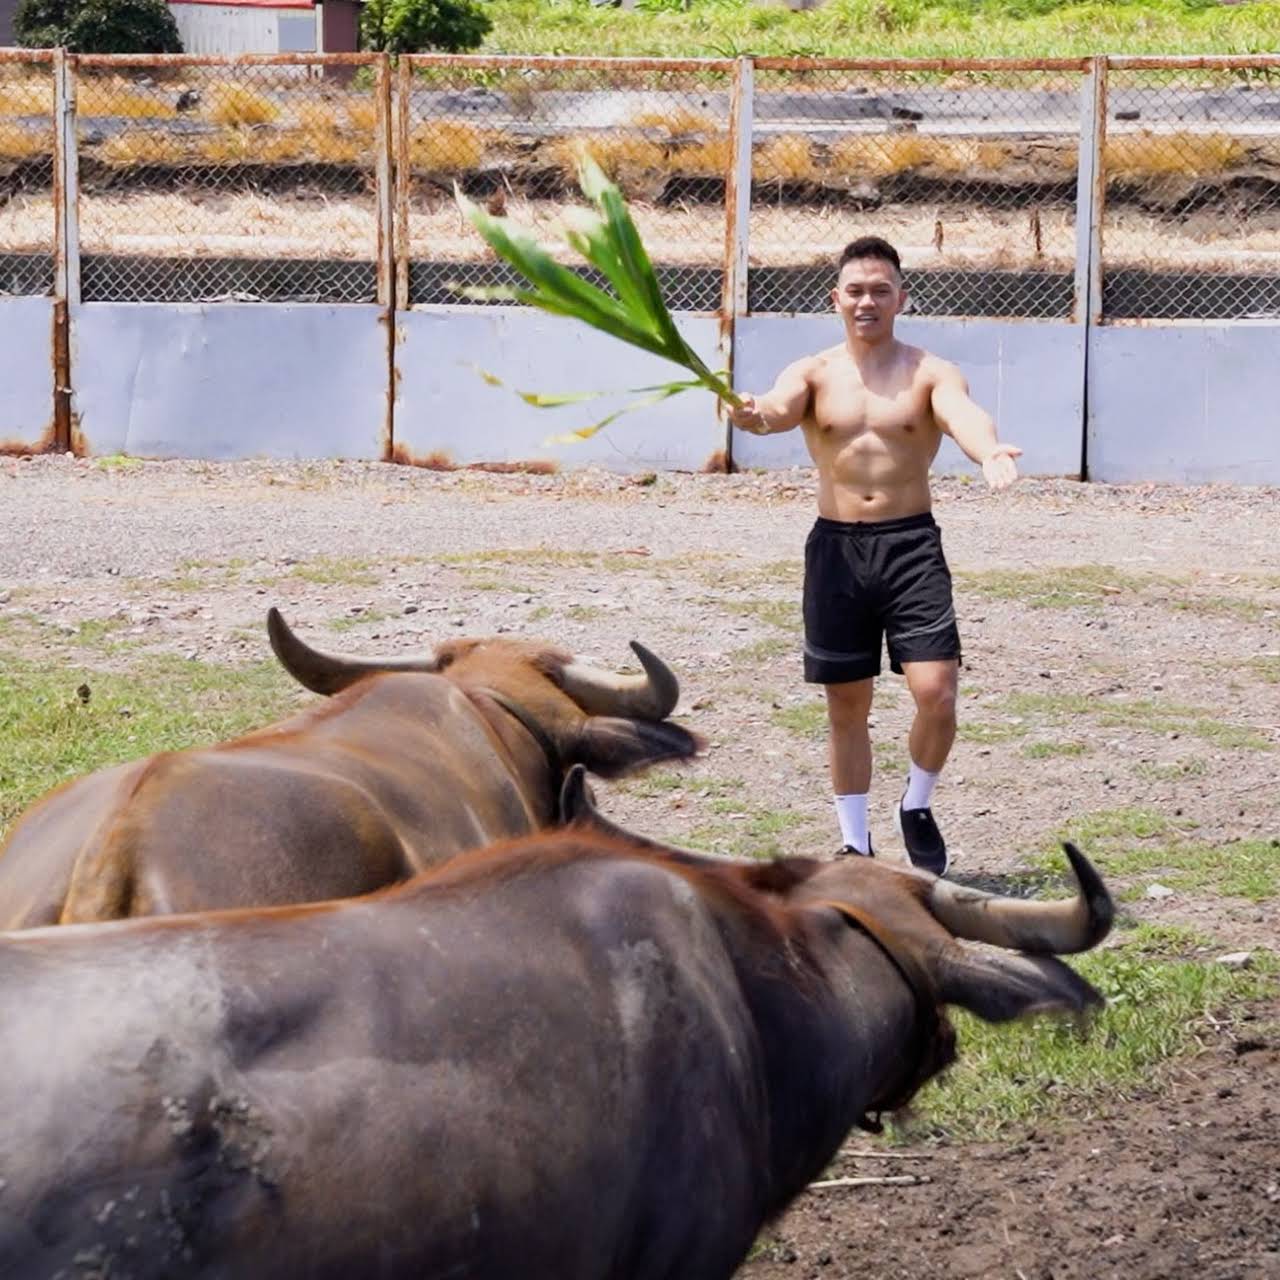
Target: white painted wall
x=1028, y=374
x=230, y=381
x=26, y=370
x=445, y=406
x=217, y=28
x=1178, y=403
x=1185, y=403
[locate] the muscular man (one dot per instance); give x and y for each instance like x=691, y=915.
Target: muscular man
x=874, y=411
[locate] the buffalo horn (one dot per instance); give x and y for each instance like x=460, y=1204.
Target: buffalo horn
x=325, y=672
x=1044, y=928
x=651, y=696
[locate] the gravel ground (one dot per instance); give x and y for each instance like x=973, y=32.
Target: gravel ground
x=1122, y=656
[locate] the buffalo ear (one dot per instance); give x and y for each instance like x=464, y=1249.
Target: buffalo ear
x=613, y=747
x=1000, y=987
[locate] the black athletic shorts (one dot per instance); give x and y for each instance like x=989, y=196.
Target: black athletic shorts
x=868, y=580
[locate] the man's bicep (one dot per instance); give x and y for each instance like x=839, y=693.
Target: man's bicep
x=790, y=394
x=951, y=403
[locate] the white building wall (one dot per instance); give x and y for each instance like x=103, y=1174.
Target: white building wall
x=217, y=28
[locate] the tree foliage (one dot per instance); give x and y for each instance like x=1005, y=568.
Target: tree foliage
x=98, y=26
x=414, y=26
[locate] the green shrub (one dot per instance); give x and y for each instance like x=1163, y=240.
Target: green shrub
x=414, y=26
x=98, y=26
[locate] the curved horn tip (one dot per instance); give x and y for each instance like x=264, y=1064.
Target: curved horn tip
x=277, y=627
x=575, y=801
x=660, y=675
x=1095, y=893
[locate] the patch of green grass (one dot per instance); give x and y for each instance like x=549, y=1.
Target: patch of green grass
x=349, y=620
x=1267, y=667
x=541, y=613
x=336, y=571
x=1221, y=606
x=117, y=462
x=749, y=655
x=661, y=782
x=1048, y=750
x=584, y=612
x=881, y=28
x=1246, y=869
x=1175, y=771
x=1064, y=587
x=804, y=719
x=747, y=831
x=597, y=562
x=159, y=703
x=1140, y=844
x=1036, y=1072
x=1150, y=715
x=986, y=733
x=1109, y=825
x=774, y=613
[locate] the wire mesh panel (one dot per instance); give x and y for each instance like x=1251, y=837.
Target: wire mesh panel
x=26, y=173
x=970, y=174
x=1191, y=228
x=242, y=180
x=509, y=133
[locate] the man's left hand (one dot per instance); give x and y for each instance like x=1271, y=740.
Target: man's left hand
x=999, y=468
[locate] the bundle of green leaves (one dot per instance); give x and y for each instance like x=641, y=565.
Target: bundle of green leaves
x=634, y=312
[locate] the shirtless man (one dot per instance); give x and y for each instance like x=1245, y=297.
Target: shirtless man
x=874, y=411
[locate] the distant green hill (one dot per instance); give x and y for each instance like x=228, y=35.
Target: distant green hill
x=884, y=28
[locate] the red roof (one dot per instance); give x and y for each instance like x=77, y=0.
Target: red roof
x=253, y=4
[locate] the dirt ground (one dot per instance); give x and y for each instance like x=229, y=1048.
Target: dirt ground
x=1122, y=659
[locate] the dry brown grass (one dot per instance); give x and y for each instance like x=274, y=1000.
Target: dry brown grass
x=24, y=144
x=678, y=123
x=253, y=226
x=633, y=163
x=447, y=146
x=710, y=159
x=786, y=158
x=117, y=97
x=1147, y=154
x=362, y=114
x=237, y=104
x=26, y=95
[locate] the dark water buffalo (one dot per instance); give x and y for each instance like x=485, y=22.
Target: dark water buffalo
x=407, y=764
x=561, y=1058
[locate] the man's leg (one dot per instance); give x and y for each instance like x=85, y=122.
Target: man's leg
x=848, y=706
x=933, y=687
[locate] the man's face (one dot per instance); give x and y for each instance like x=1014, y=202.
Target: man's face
x=868, y=295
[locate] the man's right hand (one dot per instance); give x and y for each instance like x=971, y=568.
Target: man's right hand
x=747, y=416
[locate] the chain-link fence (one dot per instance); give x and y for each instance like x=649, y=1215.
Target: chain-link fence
x=27, y=217
x=1191, y=228
x=240, y=180
x=270, y=178
x=510, y=132
x=971, y=175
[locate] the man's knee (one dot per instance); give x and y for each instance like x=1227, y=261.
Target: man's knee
x=936, y=697
x=848, y=705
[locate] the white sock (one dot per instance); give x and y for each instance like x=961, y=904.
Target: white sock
x=851, y=812
x=920, y=785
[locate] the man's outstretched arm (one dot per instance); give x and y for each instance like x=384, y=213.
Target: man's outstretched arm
x=782, y=407
x=972, y=428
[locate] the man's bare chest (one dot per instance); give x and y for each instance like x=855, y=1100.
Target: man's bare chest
x=847, y=407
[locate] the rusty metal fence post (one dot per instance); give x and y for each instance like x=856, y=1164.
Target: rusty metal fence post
x=1091, y=191
x=66, y=244
x=737, y=208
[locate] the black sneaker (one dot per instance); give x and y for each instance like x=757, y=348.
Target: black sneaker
x=851, y=851
x=925, y=846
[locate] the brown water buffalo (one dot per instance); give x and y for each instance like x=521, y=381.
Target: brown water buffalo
x=561, y=1058
x=408, y=763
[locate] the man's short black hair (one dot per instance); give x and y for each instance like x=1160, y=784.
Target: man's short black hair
x=870, y=247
